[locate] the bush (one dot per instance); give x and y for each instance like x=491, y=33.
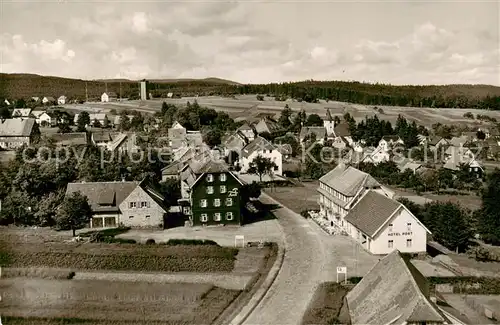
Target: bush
x=305, y=213
x=150, y=242
x=175, y=242
x=71, y=275
x=354, y=279
x=480, y=253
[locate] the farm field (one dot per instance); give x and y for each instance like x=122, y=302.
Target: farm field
x=247, y=106
x=113, y=301
x=297, y=198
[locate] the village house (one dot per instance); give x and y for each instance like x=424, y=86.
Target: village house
x=44, y=118
x=62, y=100
x=389, y=141
x=409, y=164
x=458, y=141
x=247, y=131
x=15, y=133
x=266, y=125
x=329, y=126
x=381, y=224
x=100, y=139
x=74, y=139
x=261, y=147
x=48, y=100
x=21, y=113
x=318, y=132
x=234, y=142
x=435, y=142
x=131, y=204
x=340, y=189
x=177, y=136
x=210, y=193
x=377, y=155
x=285, y=150
x=109, y=97
x=100, y=117
x=124, y=143
x=35, y=99
x=172, y=171
x=468, y=162
x=395, y=292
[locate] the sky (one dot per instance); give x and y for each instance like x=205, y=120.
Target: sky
x=397, y=42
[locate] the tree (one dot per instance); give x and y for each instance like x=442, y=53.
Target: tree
x=46, y=208
x=250, y=191
x=82, y=121
x=314, y=120
x=212, y=138
x=448, y=224
x=261, y=166
x=260, y=97
x=96, y=123
x=4, y=112
x=171, y=191
x=74, y=212
x=124, y=121
x=20, y=103
x=105, y=123
x=64, y=128
x=284, y=120
x=480, y=135
x=489, y=217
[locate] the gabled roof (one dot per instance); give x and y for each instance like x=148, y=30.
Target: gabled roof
x=16, y=127
x=434, y=140
x=266, y=124
x=37, y=114
x=458, y=141
x=70, y=139
x=391, y=138
x=213, y=166
x=342, y=130
x=245, y=127
x=371, y=212
x=99, y=193
x=101, y=136
x=49, y=98
x=62, y=97
x=319, y=131
x=234, y=141
x=21, y=112
x=258, y=144
x=285, y=149
x=348, y=180
x=393, y=292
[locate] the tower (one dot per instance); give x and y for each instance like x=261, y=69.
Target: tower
x=144, y=90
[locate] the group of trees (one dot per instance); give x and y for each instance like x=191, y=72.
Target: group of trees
x=32, y=185
x=454, y=226
x=430, y=181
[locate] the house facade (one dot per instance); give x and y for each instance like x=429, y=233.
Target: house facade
x=389, y=141
x=62, y=100
x=15, y=133
x=109, y=97
x=247, y=131
x=340, y=189
x=131, y=204
x=44, y=119
x=381, y=224
x=261, y=147
x=48, y=100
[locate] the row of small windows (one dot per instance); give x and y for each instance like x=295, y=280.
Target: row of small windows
x=217, y=216
x=390, y=243
x=222, y=177
x=217, y=203
x=408, y=226
x=142, y=204
x=222, y=189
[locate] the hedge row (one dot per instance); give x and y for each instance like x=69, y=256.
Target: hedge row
x=461, y=284
x=78, y=261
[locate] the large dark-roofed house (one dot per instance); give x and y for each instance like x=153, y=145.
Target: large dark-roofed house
x=15, y=133
x=133, y=204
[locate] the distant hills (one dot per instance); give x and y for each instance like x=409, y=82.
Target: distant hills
x=14, y=86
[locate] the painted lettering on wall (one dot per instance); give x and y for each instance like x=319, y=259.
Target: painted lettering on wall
x=400, y=234
x=233, y=192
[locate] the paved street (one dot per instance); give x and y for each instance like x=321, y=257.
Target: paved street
x=311, y=258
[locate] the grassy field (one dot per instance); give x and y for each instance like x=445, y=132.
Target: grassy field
x=297, y=198
x=326, y=305
x=247, y=106
x=133, y=257
x=140, y=303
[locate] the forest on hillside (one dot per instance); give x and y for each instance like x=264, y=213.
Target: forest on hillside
x=15, y=86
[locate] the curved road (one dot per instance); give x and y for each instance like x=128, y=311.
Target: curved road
x=303, y=269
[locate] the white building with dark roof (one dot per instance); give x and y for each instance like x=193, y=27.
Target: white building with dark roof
x=340, y=189
x=133, y=204
x=16, y=132
x=381, y=224
x=109, y=97
x=261, y=147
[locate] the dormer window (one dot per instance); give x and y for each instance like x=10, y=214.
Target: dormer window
x=210, y=178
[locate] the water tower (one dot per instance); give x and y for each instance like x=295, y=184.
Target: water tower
x=144, y=86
